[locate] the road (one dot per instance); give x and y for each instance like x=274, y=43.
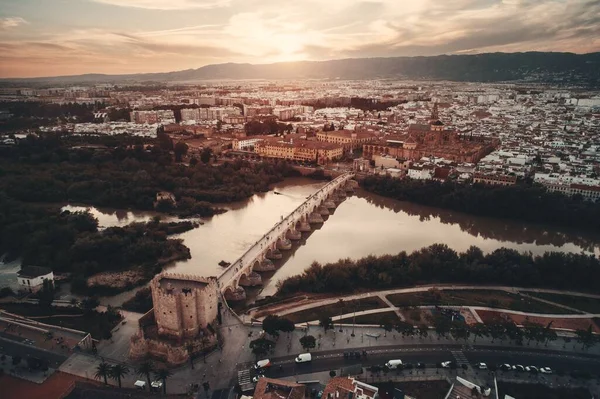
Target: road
x=432, y=355
x=13, y=348
x=235, y=269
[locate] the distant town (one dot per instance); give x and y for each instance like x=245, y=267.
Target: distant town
x=147, y=227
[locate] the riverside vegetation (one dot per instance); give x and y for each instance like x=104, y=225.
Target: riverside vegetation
x=530, y=203
x=440, y=264
x=42, y=172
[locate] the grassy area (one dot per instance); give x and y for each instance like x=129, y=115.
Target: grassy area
x=540, y=391
x=489, y=298
x=375, y=318
x=336, y=309
x=590, y=305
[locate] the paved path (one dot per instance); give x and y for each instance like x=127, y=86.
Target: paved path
x=383, y=295
x=391, y=306
x=236, y=268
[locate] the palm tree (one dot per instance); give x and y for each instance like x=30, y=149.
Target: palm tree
x=205, y=342
x=190, y=350
x=117, y=372
x=163, y=374
x=103, y=371
x=144, y=369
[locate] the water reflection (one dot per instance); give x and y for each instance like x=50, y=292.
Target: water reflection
x=108, y=217
x=498, y=229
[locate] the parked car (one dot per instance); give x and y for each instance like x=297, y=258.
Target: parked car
x=546, y=370
x=518, y=367
x=303, y=358
x=532, y=369
x=448, y=364
x=257, y=377
x=262, y=364
x=394, y=364
x=481, y=366
x=505, y=367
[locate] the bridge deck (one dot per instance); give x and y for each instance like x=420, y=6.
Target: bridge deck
x=237, y=268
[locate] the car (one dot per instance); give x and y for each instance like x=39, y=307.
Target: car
x=532, y=369
x=262, y=364
x=546, y=370
x=518, y=368
x=257, y=377
x=447, y=364
x=421, y=365
x=481, y=366
x=505, y=367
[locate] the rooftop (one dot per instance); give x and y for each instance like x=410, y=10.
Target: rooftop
x=178, y=286
x=269, y=388
x=33, y=271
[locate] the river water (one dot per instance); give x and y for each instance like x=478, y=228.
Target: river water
x=362, y=225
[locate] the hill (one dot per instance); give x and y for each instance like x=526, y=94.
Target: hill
x=569, y=68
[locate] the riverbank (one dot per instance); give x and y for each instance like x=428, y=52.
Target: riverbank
x=523, y=202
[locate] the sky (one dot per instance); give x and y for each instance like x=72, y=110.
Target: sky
x=69, y=37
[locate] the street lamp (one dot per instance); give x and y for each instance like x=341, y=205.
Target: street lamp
x=353, y=322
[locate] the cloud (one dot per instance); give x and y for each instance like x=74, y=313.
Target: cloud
x=167, y=4
x=11, y=22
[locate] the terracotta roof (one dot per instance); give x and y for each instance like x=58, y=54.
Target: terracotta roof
x=270, y=388
x=341, y=385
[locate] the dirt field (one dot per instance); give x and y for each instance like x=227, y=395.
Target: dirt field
x=489, y=316
x=54, y=387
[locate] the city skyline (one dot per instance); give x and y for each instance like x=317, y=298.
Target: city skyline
x=65, y=37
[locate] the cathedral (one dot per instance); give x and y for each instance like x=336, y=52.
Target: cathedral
x=432, y=139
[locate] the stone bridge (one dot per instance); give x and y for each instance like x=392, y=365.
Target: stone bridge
x=244, y=272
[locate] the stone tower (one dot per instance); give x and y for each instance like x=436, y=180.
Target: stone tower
x=183, y=305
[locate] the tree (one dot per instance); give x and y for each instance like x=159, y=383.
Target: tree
x=423, y=331
x=332, y=373
x=46, y=294
x=117, y=372
x=103, y=371
x=205, y=342
x=261, y=346
x=460, y=330
x=286, y=325
x=163, y=375
x=271, y=325
x=308, y=342
x=441, y=325
x=387, y=325
x=326, y=323
x=90, y=303
x=180, y=150
x=206, y=154
x=193, y=161
x=586, y=338
x=190, y=350
x=479, y=330
x=16, y=360
x=145, y=369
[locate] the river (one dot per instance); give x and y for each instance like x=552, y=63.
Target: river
x=362, y=225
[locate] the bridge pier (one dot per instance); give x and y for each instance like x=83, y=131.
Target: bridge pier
x=264, y=266
x=304, y=227
x=251, y=280
x=329, y=204
x=323, y=211
x=275, y=254
x=237, y=295
x=284, y=244
x=294, y=235
x=315, y=218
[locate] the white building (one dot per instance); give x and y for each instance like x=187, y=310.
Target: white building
x=420, y=173
x=31, y=278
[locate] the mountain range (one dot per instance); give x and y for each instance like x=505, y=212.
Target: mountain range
x=554, y=67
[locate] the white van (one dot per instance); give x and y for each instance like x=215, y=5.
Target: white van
x=303, y=358
x=394, y=364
